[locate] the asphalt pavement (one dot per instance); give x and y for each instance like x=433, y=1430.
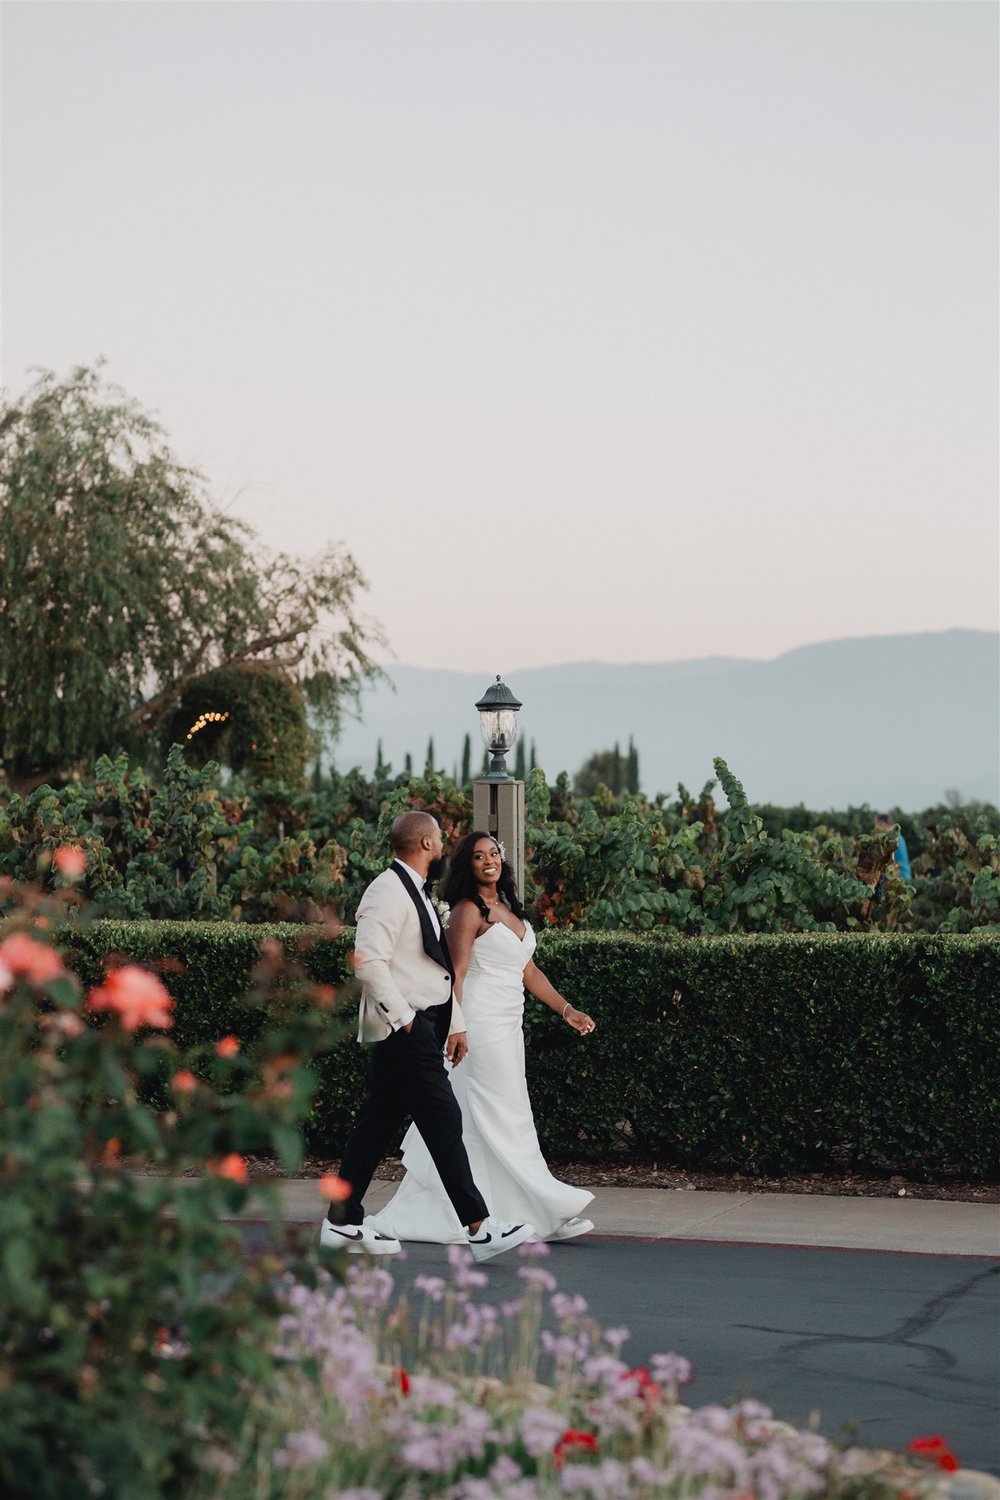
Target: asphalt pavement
x=878, y=1318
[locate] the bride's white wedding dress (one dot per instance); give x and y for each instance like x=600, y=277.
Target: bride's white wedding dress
x=497, y=1124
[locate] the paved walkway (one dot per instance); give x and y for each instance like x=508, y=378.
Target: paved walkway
x=803, y=1300
x=922, y=1226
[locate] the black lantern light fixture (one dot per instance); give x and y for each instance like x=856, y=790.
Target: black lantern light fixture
x=498, y=710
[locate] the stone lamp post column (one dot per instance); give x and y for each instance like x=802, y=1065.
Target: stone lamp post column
x=497, y=799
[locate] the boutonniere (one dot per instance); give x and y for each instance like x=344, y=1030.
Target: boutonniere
x=442, y=908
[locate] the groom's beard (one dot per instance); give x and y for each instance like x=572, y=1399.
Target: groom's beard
x=435, y=870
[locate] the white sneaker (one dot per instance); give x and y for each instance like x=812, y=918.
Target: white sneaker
x=494, y=1236
x=357, y=1239
x=571, y=1229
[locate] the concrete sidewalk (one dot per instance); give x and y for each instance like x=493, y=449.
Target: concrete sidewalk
x=922, y=1226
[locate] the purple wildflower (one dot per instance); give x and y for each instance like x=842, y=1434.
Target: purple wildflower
x=541, y=1429
x=565, y=1348
x=538, y=1276
x=698, y=1450
x=602, y=1481
x=670, y=1369
x=433, y=1287
x=464, y=1272
x=505, y=1471
x=300, y=1449
x=603, y=1369
x=370, y=1286
x=565, y=1306
x=427, y=1390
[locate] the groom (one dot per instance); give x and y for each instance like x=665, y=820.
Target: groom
x=409, y=1012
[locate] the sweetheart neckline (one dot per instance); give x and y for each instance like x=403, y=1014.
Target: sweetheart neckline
x=490, y=927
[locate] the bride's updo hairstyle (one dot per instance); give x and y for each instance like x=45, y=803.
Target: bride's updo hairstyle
x=461, y=885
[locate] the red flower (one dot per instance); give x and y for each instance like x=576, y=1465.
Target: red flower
x=648, y=1388
x=232, y=1166
x=228, y=1046
x=936, y=1450
x=184, y=1082
x=137, y=997
x=334, y=1187
x=403, y=1379
x=573, y=1439
x=22, y=957
x=70, y=861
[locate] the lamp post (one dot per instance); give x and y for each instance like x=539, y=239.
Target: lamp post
x=498, y=710
x=497, y=799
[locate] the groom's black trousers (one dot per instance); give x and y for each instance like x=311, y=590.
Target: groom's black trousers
x=407, y=1077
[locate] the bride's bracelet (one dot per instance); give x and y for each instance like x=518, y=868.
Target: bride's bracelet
x=566, y=1007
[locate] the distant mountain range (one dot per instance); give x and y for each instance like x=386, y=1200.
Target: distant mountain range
x=888, y=720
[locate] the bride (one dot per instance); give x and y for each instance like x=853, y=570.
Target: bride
x=491, y=947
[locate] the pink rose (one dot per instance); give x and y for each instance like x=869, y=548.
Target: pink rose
x=22, y=957
x=334, y=1187
x=232, y=1167
x=137, y=997
x=70, y=861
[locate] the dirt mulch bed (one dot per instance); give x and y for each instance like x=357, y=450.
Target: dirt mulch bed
x=618, y=1174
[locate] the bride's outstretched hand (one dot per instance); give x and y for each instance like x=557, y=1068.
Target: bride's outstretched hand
x=580, y=1021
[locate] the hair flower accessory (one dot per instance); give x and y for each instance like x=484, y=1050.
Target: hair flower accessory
x=503, y=851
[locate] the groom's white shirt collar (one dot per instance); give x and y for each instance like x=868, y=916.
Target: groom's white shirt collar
x=419, y=886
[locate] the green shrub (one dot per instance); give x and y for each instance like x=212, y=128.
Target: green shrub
x=189, y=847
x=757, y=1054
x=779, y=1054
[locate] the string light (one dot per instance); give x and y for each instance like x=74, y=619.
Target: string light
x=209, y=717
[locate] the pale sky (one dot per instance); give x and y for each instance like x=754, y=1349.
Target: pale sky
x=630, y=332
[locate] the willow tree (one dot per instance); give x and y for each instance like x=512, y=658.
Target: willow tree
x=121, y=584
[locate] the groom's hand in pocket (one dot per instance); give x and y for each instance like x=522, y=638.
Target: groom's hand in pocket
x=458, y=1046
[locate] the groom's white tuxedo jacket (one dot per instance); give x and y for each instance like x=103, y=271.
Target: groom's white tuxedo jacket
x=396, y=972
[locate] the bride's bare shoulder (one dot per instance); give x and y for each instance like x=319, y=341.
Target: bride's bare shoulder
x=465, y=923
x=464, y=913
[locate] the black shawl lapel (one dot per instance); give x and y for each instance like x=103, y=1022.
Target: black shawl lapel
x=435, y=947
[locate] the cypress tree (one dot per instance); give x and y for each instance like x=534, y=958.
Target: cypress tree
x=429, y=767
x=632, y=774
x=616, y=770
x=519, y=770
x=466, y=761
x=408, y=764
x=532, y=758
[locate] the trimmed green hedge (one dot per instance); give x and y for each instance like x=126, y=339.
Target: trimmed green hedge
x=781, y=1054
